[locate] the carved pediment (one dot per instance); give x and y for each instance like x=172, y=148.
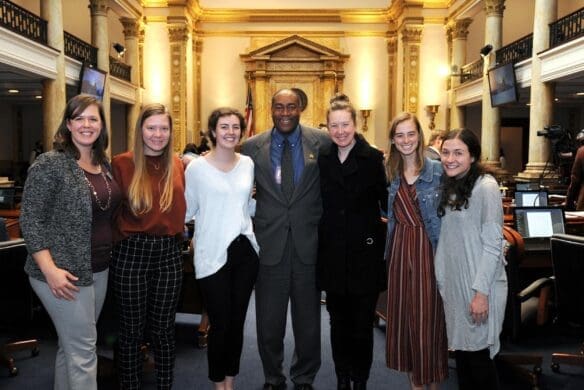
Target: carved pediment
x=294, y=46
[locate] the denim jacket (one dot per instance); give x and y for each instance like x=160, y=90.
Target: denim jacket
x=428, y=195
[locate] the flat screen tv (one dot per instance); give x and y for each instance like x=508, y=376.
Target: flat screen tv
x=503, y=85
x=92, y=81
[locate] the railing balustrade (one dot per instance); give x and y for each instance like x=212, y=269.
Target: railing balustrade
x=472, y=71
x=516, y=51
x=80, y=50
x=23, y=22
x=120, y=70
x=567, y=28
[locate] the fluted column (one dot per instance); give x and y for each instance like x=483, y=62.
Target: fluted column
x=100, y=39
x=412, y=38
x=197, y=43
x=54, y=95
x=391, y=74
x=542, y=94
x=178, y=34
x=131, y=36
x=459, y=33
x=491, y=118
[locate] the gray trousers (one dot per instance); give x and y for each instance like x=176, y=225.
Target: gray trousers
x=75, y=322
x=288, y=281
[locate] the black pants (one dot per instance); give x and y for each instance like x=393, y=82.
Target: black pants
x=351, y=318
x=476, y=370
x=147, y=276
x=226, y=296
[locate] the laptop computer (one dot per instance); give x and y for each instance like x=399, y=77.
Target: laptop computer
x=531, y=198
x=537, y=224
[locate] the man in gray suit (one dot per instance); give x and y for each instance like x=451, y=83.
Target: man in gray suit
x=286, y=225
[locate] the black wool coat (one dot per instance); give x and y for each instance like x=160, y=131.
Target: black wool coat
x=351, y=233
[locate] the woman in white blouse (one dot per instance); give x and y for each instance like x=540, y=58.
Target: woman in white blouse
x=219, y=198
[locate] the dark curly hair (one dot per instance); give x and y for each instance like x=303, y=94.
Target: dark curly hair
x=220, y=113
x=457, y=191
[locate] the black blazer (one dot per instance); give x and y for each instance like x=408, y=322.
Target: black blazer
x=351, y=233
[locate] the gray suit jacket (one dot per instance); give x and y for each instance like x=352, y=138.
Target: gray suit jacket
x=274, y=215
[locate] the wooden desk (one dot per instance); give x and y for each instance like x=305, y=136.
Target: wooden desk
x=10, y=213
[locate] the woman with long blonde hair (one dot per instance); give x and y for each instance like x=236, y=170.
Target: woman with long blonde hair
x=416, y=333
x=147, y=263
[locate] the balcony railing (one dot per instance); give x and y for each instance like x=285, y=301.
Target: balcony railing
x=80, y=50
x=516, y=51
x=120, y=70
x=21, y=21
x=567, y=28
x=471, y=71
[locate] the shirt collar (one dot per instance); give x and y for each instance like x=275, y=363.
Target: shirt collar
x=293, y=137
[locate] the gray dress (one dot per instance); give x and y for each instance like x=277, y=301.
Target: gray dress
x=469, y=258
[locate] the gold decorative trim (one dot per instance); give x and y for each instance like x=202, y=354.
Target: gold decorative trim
x=282, y=34
x=494, y=7
x=364, y=16
x=131, y=27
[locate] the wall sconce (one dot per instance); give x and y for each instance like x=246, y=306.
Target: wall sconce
x=120, y=49
x=432, y=110
x=365, y=114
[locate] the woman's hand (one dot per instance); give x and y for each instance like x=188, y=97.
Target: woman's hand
x=60, y=282
x=479, y=308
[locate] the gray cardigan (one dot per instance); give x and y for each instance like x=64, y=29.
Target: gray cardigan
x=56, y=215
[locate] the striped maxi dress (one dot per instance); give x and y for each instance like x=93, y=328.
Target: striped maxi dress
x=416, y=332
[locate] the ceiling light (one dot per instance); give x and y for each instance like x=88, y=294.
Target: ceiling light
x=13, y=91
x=38, y=97
x=579, y=93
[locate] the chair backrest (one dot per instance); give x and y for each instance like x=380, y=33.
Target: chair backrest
x=514, y=256
x=568, y=262
x=16, y=296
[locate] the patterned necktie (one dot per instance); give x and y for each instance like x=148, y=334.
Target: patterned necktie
x=287, y=171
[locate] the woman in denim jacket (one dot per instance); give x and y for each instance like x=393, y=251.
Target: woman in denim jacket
x=416, y=332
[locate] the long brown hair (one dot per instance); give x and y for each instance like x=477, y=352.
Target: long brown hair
x=63, y=140
x=394, y=162
x=140, y=190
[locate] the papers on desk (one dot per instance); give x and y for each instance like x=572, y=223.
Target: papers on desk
x=574, y=214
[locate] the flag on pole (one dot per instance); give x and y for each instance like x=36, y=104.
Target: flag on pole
x=249, y=112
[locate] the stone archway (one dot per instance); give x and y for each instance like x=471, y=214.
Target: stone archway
x=294, y=62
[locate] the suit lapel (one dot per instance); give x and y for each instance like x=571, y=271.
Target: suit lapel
x=264, y=164
x=310, y=152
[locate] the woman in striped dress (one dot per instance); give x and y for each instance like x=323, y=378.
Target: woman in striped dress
x=416, y=333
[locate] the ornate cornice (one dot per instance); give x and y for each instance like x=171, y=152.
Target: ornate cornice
x=178, y=33
x=460, y=28
x=494, y=7
x=412, y=33
x=363, y=16
x=98, y=7
x=131, y=27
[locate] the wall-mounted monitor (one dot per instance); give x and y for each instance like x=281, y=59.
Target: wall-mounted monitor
x=92, y=81
x=503, y=85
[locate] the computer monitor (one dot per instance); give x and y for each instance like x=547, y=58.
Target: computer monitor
x=539, y=222
x=526, y=186
x=531, y=198
x=7, y=197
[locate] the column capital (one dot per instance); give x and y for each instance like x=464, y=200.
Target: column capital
x=178, y=33
x=392, y=44
x=98, y=7
x=460, y=28
x=494, y=7
x=412, y=33
x=131, y=27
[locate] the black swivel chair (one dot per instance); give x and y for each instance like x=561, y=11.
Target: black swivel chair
x=524, y=306
x=16, y=300
x=568, y=262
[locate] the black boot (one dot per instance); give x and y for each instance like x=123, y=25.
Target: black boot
x=343, y=382
x=360, y=385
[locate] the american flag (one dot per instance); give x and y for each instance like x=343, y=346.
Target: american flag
x=249, y=112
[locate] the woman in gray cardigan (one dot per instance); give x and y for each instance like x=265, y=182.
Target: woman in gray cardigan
x=68, y=200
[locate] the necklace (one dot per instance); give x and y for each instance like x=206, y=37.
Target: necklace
x=155, y=165
x=93, y=190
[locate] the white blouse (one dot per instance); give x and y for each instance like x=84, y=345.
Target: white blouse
x=221, y=205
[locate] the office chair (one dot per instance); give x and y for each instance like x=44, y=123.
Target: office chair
x=523, y=306
x=16, y=300
x=568, y=263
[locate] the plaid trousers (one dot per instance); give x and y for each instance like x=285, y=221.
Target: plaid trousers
x=147, y=277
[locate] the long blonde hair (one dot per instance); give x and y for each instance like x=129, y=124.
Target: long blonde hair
x=140, y=191
x=394, y=163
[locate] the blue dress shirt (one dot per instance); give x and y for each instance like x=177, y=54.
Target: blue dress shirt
x=276, y=149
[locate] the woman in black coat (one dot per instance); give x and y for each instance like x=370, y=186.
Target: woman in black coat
x=350, y=266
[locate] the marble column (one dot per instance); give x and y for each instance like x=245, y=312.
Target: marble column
x=391, y=75
x=412, y=38
x=54, y=91
x=491, y=118
x=178, y=34
x=100, y=39
x=542, y=94
x=459, y=33
x=132, y=56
